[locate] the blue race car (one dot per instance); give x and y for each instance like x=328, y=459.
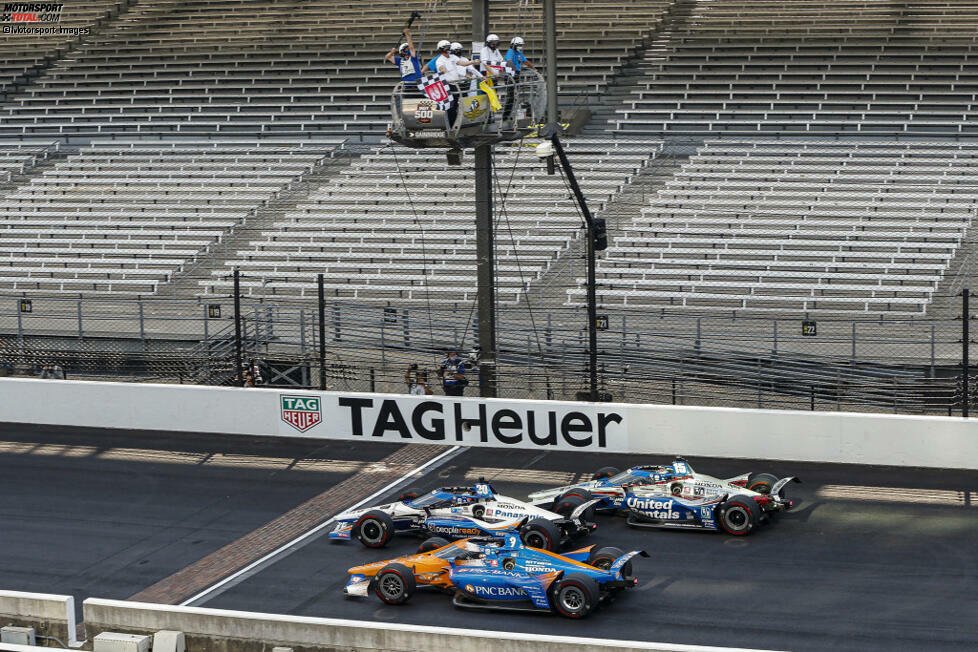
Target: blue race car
x=459, y=512
x=677, y=497
x=501, y=573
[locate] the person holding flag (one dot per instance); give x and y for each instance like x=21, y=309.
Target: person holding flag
x=491, y=59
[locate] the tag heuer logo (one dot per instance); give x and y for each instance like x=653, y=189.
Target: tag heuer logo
x=301, y=412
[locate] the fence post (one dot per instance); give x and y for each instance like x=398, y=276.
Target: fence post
x=407, y=329
x=322, y=333
x=142, y=323
x=237, y=329
x=336, y=322
x=965, y=336
x=80, y=337
x=207, y=334
x=20, y=326
x=302, y=331
x=699, y=333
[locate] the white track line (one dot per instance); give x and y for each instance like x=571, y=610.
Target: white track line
x=302, y=537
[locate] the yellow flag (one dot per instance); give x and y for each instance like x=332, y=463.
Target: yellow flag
x=486, y=87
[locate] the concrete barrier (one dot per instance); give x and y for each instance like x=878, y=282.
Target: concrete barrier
x=218, y=630
x=50, y=615
x=838, y=437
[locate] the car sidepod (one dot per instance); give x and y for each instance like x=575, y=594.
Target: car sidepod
x=488, y=587
x=666, y=511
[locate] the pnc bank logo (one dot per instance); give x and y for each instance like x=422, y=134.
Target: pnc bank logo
x=301, y=412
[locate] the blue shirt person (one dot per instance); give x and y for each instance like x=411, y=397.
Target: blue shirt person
x=514, y=55
x=452, y=370
x=406, y=59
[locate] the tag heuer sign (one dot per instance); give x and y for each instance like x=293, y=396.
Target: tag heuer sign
x=301, y=412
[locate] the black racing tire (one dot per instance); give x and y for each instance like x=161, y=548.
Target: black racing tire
x=583, y=494
x=411, y=494
x=541, y=533
x=566, y=506
x=606, y=472
x=761, y=482
x=479, y=511
x=434, y=543
x=575, y=596
x=374, y=529
x=603, y=558
x=394, y=584
x=739, y=515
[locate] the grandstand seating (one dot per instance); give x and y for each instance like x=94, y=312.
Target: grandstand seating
x=23, y=55
x=252, y=66
x=810, y=66
x=797, y=226
x=122, y=217
x=361, y=230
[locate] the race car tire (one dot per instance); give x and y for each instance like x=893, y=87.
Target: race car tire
x=583, y=494
x=411, y=494
x=575, y=596
x=541, y=533
x=603, y=558
x=761, y=482
x=566, y=506
x=374, y=529
x=434, y=543
x=739, y=515
x=606, y=472
x=479, y=511
x=394, y=584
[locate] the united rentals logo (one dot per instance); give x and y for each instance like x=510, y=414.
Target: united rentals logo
x=301, y=412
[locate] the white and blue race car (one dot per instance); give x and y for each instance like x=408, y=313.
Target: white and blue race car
x=461, y=512
x=676, y=497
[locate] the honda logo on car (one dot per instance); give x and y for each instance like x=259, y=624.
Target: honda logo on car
x=654, y=508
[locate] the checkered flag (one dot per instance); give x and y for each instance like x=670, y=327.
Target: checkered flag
x=437, y=89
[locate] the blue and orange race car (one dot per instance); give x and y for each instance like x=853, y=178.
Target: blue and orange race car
x=501, y=573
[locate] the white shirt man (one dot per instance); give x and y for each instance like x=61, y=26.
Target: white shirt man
x=491, y=58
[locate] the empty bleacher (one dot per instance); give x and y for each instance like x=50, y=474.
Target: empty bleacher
x=859, y=67
x=25, y=54
x=797, y=226
x=373, y=243
x=123, y=217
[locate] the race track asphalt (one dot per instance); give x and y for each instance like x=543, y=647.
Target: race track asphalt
x=108, y=513
x=873, y=559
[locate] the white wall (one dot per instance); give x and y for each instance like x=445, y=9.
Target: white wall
x=943, y=442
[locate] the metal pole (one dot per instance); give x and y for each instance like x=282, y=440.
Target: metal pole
x=965, y=370
x=485, y=248
x=237, y=328
x=80, y=331
x=550, y=59
x=592, y=299
x=322, y=334
x=142, y=323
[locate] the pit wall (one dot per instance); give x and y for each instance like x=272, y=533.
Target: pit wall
x=837, y=437
x=50, y=615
